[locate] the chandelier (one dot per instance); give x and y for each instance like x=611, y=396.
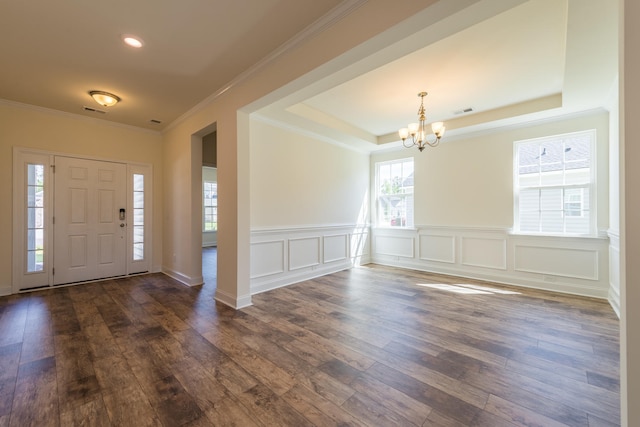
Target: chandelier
x=418, y=131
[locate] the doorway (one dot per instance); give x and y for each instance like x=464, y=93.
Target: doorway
x=78, y=219
x=209, y=209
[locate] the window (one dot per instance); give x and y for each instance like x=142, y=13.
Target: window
x=555, y=185
x=35, y=218
x=394, y=193
x=210, y=206
x=138, y=217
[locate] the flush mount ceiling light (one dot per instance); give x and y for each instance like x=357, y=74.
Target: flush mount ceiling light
x=132, y=41
x=105, y=99
x=418, y=131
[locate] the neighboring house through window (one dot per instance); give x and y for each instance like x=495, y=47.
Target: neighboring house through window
x=554, y=181
x=394, y=193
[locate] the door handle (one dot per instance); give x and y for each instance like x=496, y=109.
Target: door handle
x=122, y=224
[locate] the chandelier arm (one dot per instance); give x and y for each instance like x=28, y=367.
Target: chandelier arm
x=411, y=143
x=434, y=143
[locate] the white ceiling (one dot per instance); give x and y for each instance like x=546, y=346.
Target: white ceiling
x=535, y=57
x=529, y=61
x=483, y=67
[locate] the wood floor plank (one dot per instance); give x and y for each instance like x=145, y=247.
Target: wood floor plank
x=392, y=399
x=368, y=346
x=318, y=410
x=128, y=406
x=270, y=408
x=326, y=386
x=371, y=413
x=262, y=369
x=34, y=401
x=518, y=415
x=92, y=413
x=431, y=396
x=230, y=412
x=508, y=388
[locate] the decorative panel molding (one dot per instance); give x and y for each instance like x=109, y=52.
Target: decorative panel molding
x=335, y=248
x=304, y=252
x=267, y=258
x=282, y=256
x=484, y=252
x=574, y=265
x=437, y=248
x=394, y=246
x=566, y=262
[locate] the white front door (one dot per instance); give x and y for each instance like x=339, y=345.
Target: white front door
x=90, y=239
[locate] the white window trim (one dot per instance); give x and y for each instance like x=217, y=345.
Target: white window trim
x=204, y=207
x=21, y=278
x=145, y=264
x=592, y=187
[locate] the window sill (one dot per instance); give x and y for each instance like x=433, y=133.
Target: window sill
x=389, y=227
x=559, y=236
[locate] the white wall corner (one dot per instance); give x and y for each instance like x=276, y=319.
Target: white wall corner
x=614, y=300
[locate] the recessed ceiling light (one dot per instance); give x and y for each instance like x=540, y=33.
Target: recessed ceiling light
x=132, y=41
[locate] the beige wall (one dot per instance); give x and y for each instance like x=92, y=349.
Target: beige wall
x=300, y=181
x=469, y=182
x=61, y=133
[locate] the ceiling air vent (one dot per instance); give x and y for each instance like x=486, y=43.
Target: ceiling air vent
x=93, y=110
x=463, y=111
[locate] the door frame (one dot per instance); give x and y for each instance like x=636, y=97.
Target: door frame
x=25, y=281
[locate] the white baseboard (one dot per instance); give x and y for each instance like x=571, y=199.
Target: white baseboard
x=231, y=301
x=296, y=277
x=183, y=278
x=506, y=279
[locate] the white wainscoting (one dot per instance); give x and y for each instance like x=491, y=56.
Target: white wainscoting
x=282, y=256
x=562, y=264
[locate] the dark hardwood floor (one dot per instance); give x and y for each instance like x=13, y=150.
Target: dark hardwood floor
x=210, y=266
x=369, y=346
